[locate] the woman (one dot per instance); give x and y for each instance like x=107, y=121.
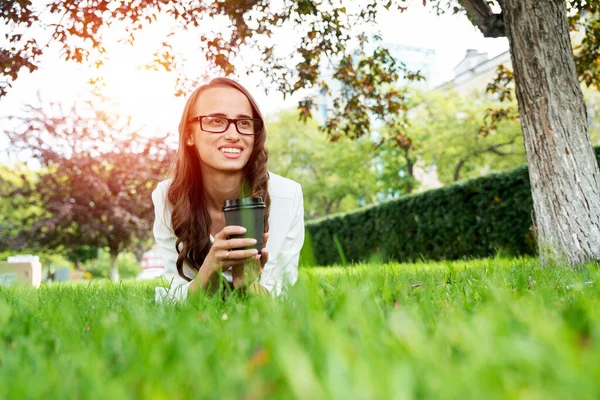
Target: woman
x=221, y=150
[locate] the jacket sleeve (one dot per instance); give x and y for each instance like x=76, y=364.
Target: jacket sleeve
x=283, y=270
x=165, y=239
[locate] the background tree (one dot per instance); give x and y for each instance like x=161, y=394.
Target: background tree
x=15, y=209
x=335, y=177
x=593, y=102
x=563, y=171
x=395, y=162
x=100, y=173
x=19, y=212
x=447, y=127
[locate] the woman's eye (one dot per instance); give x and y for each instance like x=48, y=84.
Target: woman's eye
x=245, y=123
x=216, y=121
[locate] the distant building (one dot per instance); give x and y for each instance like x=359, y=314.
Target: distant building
x=475, y=71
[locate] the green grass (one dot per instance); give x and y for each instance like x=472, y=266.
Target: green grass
x=483, y=329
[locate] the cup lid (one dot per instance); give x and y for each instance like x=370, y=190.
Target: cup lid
x=244, y=202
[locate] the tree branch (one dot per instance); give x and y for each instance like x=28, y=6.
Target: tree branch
x=481, y=15
x=495, y=148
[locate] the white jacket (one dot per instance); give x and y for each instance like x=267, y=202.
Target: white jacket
x=286, y=236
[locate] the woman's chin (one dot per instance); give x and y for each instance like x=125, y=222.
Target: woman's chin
x=230, y=167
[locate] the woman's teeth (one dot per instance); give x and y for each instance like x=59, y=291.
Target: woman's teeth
x=231, y=150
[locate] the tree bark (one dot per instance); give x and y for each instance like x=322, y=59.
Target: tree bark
x=114, y=267
x=562, y=166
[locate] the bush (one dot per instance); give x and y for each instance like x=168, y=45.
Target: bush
x=129, y=266
x=475, y=218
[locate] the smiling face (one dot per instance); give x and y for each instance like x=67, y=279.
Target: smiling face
x=228, y=151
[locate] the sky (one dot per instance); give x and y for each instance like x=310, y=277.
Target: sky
x=148, y=95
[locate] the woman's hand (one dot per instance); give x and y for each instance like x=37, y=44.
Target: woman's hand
x=247, y=275
x=221, y=257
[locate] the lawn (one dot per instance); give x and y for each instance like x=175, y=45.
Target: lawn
x=482, y=329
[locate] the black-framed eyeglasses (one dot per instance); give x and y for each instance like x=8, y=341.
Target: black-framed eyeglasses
x=212, y=124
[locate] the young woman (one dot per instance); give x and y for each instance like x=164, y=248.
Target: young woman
x=221, y=150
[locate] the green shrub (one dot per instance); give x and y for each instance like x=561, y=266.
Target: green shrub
x=129, y=266
x=475, y=218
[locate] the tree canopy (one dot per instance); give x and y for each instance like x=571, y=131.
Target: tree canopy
x=447, y=130
x=329, y=32
x=335, y=177
x=98, y=176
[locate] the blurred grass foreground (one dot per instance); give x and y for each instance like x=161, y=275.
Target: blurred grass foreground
x=493, y=328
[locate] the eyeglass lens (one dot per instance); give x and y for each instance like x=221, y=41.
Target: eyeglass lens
x=218, y=125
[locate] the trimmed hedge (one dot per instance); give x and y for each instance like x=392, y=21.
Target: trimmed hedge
x=475, y=218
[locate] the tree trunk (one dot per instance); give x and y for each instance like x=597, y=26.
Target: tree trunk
x=114, y=267
x=457, y=169
x=562, y=166
x=327, y=205
x=410, y=170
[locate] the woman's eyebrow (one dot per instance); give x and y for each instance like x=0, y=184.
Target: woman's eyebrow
x=225, y=115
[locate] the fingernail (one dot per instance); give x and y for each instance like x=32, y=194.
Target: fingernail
x=255, y=251
x=243, y=230
x=253, y=241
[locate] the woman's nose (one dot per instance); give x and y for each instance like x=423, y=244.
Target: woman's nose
x=232, y=133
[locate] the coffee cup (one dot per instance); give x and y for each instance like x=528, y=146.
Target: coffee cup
x=248, y=212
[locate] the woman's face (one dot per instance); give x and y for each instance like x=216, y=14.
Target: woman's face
x=228, y=151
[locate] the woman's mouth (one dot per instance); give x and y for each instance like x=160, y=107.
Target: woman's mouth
x=231, y=152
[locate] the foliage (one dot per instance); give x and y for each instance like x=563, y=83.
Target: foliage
x=476, y=218
x=585, y=17
x=15, y=210
x=330, y=32
x=18, y=214
x=394, y=175
x=396, y=154
x=484, y=329
x=335, y=177
x=100, y=175
x=446, y=128
x=592, y=100
x=129, y=266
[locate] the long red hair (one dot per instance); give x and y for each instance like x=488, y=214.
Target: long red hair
x=190, y=218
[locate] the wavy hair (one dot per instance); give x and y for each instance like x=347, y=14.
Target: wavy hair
x=190, y=218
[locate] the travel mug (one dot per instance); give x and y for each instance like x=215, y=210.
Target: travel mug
x=248, y=212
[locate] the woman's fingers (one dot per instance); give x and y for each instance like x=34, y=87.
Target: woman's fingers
x=264, y=257
x=238, y=243
x=230, y=230
x=237, y=255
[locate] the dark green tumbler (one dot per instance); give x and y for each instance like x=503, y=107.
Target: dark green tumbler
x=248, y=212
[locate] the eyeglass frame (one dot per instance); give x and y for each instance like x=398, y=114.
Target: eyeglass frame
x=199, y=118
